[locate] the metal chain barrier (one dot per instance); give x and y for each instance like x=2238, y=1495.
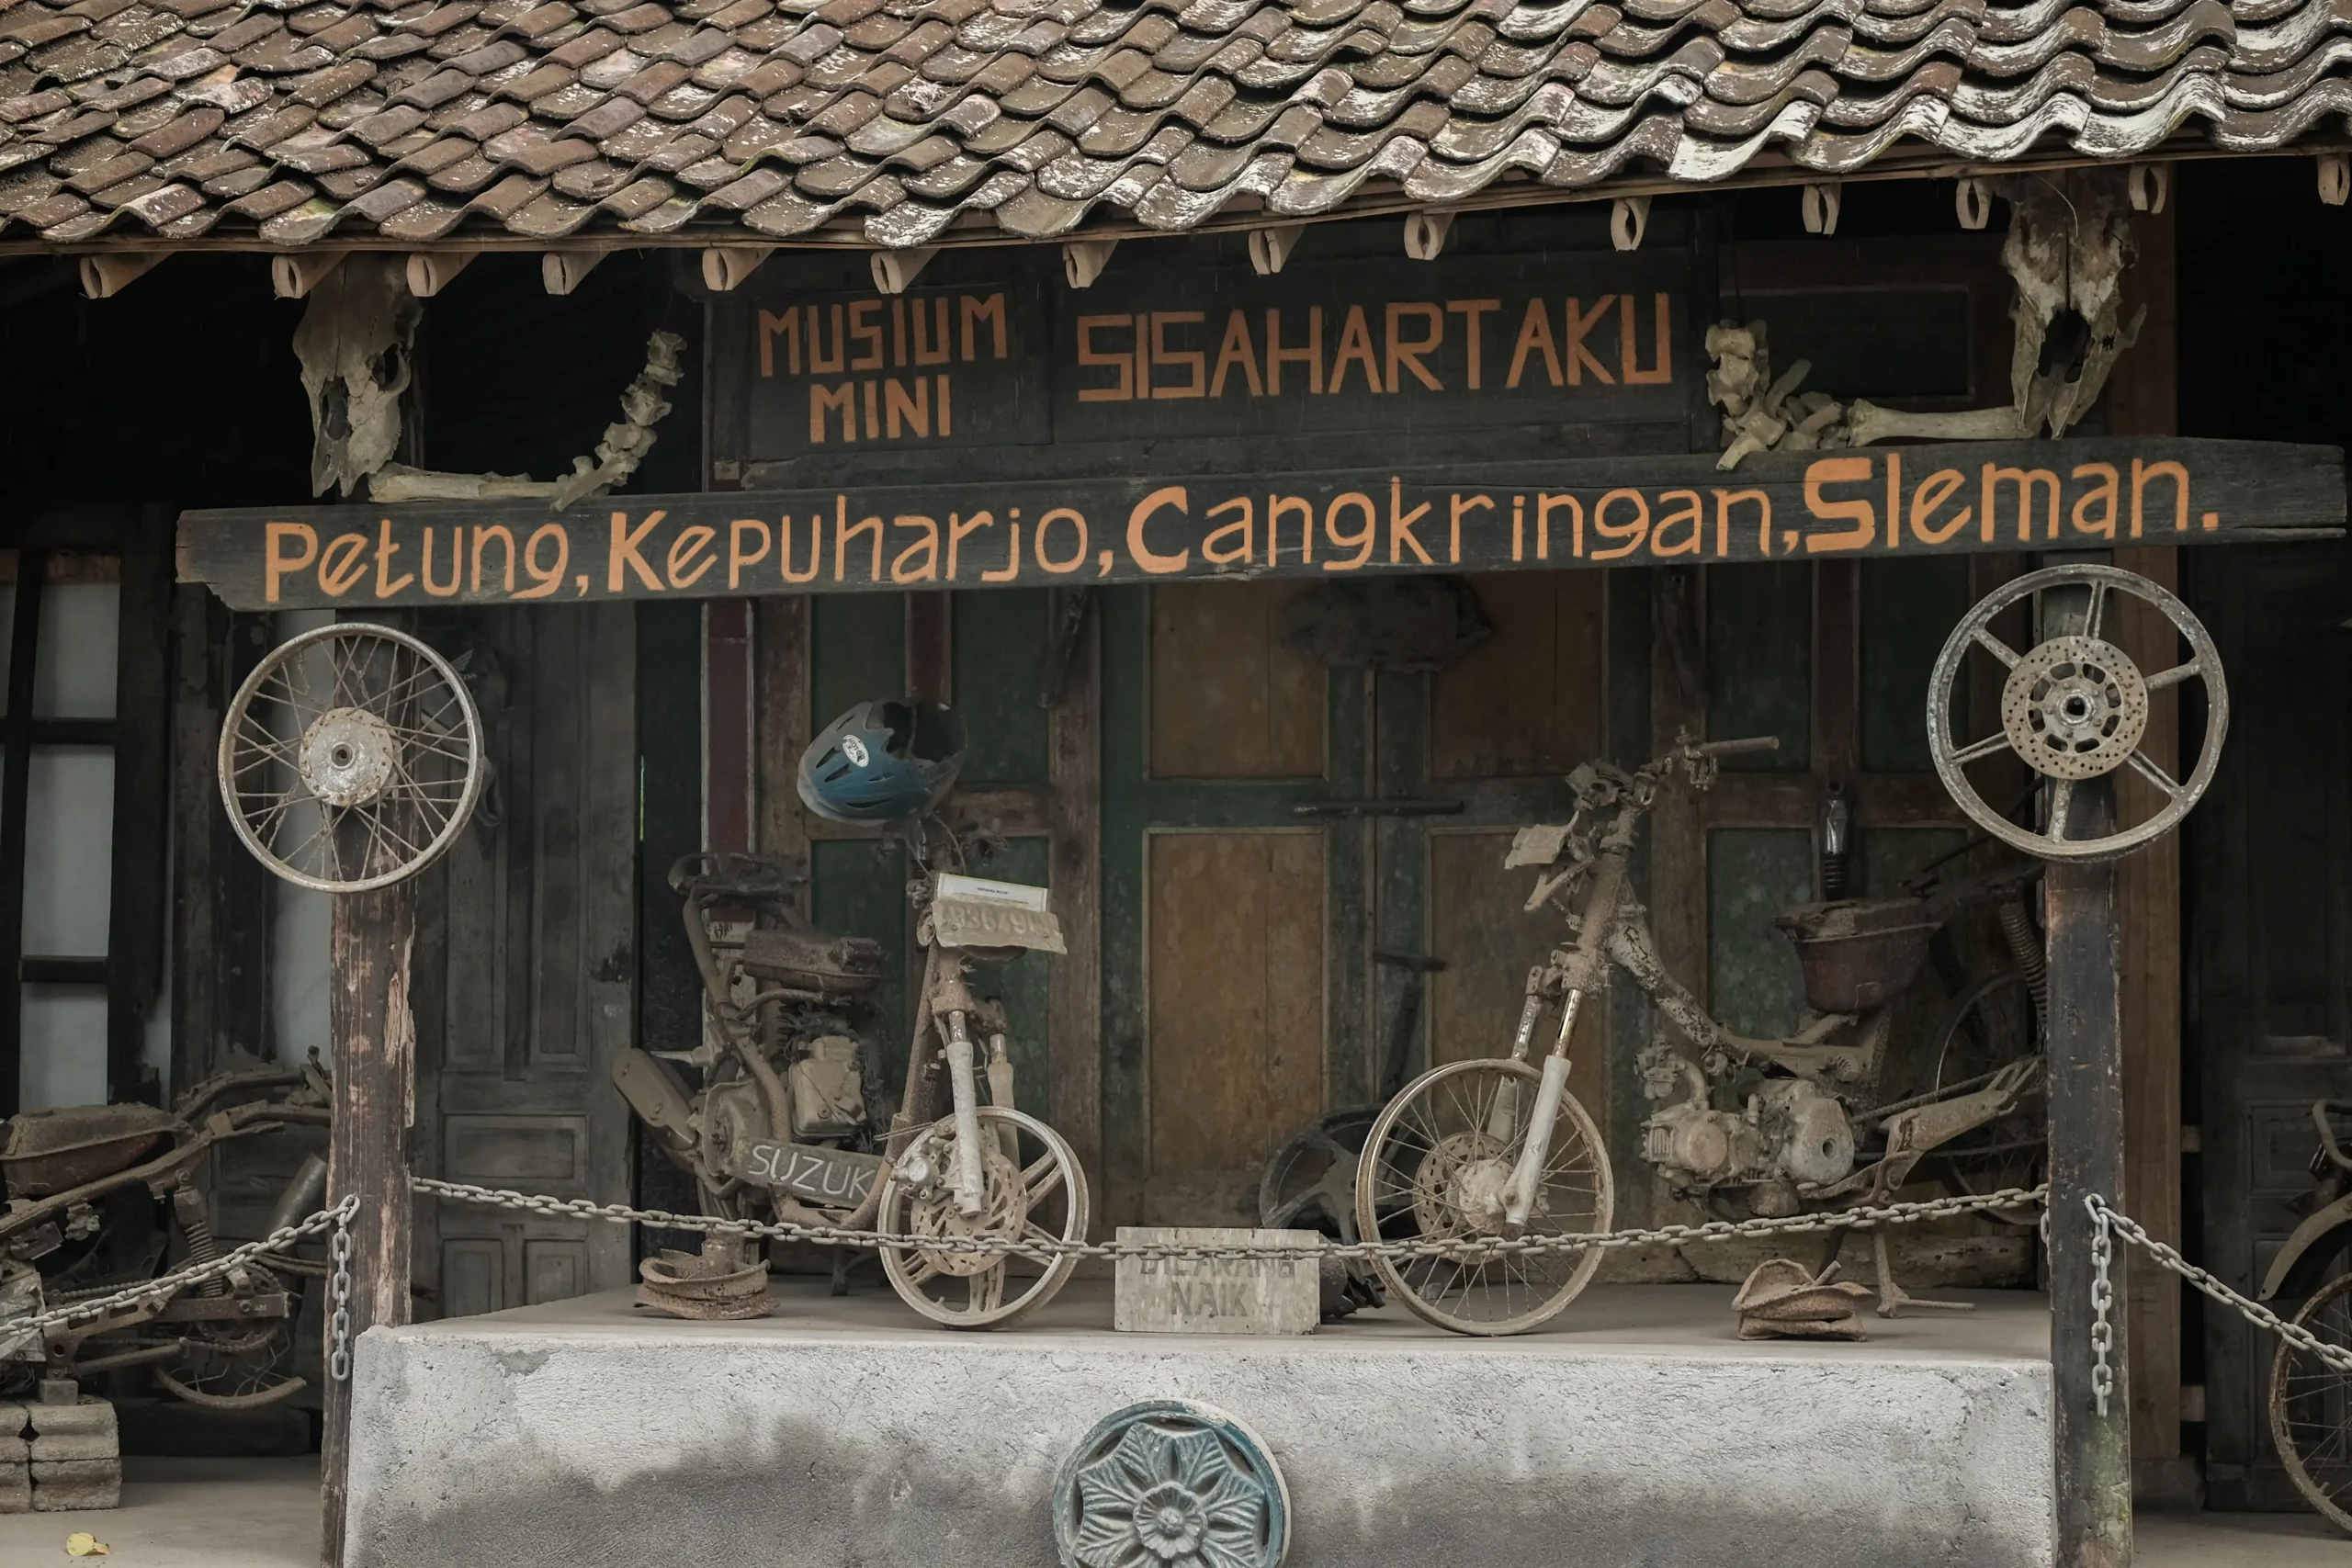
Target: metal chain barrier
x=2104, y=1220
x=160, y=1290
x=339, y=1298
x=2102, y=1329
x=1468, y=1249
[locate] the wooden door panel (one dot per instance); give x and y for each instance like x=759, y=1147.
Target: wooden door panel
x=554, y=1269
x=1479, y=925
x=534, y=1152
x=531, y=960
x=1234, y=968
x=473, y=1276
x=1527, y=702
x=1227, y=700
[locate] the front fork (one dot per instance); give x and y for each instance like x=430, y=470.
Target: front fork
x=1527, y=1176
x=971, y=1189
x=963, y=1085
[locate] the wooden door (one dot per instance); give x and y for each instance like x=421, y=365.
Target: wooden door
x=1228, y=1004
x=2269, y=868
x=526, y=965
x=1251, y=879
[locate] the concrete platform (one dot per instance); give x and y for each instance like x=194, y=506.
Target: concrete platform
x=264, y=1513
x=844, y=1433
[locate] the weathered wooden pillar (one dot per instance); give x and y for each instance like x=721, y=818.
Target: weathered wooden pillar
x=2085, y=1077
x=374, y=1089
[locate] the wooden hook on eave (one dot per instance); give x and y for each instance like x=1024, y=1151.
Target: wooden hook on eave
x=1974, y=202
x=894, y=270
x=1425, y=233
x=1629, y=219
x=1269, y=247
x=2148, y=186
x=293, y=277
x=1822, y=200
x=104, y=277
x=2335, y=178
x=429, y=271
x=1083, y=260
x=560, y=271
x=724, y=267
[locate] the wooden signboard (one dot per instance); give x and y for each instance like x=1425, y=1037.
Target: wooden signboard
x=986, y=531
x=1564, y=337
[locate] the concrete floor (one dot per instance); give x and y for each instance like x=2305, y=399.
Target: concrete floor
x=188, y=1513
x=1683, y=1320
x=264, y=1513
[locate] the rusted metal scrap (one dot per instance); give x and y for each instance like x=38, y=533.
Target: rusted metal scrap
x=1781, y=1298
x=617, y=456
x=727, y=1282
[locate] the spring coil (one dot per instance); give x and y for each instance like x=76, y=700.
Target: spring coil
x=2025, y=949
x=195, y=1221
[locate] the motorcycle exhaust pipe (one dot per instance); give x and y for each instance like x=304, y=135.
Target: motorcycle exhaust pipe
x=304, y=1195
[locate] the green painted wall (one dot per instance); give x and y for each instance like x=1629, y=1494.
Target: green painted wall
x=1761, y=617
x=1753, y=873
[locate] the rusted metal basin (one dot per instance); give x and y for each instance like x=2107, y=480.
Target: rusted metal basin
x=51, y=1151
x=1858, y=954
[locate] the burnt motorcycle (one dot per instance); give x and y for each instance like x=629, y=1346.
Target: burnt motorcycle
x=781, y=1126
x=102, y=1197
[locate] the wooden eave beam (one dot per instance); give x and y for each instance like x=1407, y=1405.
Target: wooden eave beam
x=1383, y=199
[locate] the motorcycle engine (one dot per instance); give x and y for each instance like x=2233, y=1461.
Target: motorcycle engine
x=1790, y=1130
x=730, y=1119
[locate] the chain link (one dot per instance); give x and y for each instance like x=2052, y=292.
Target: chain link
x=339, y=1298
x=2102, y=1329
x=160, y=1290
x=2105, y=1219
x=1473, y=1249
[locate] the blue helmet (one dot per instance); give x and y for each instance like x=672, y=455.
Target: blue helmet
x=882, y=761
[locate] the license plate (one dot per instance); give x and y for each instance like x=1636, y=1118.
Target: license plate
x=835, y=1179
x=971, y=911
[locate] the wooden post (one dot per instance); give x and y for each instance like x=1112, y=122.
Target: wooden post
x=2085, y=1076
x=375, y=1089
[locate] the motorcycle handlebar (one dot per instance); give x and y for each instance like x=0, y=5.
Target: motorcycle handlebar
x=1736, y=748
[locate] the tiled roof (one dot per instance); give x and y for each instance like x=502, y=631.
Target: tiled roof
x=892, y=120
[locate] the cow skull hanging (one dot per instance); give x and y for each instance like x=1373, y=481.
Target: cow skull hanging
x=2070, y=242
x=356, y=344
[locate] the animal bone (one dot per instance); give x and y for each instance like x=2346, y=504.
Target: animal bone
x=2069, y=244
x=1762, y=414
x=618, y=455
x=625, y=444
x=356, y=344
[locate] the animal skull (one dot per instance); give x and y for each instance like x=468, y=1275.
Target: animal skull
x=356, y=344
x=2070, y=240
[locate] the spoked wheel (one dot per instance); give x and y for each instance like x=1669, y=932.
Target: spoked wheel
x=236, y=1366
x=350, y=758
x=2311, y=1405
x=2075, y=707
x=1309, y=1183
x=1038, y=1193
x=1442, y=1151
x=1988, y=1026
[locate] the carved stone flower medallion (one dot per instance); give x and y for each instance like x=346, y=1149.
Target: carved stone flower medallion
x=1167, y=1483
